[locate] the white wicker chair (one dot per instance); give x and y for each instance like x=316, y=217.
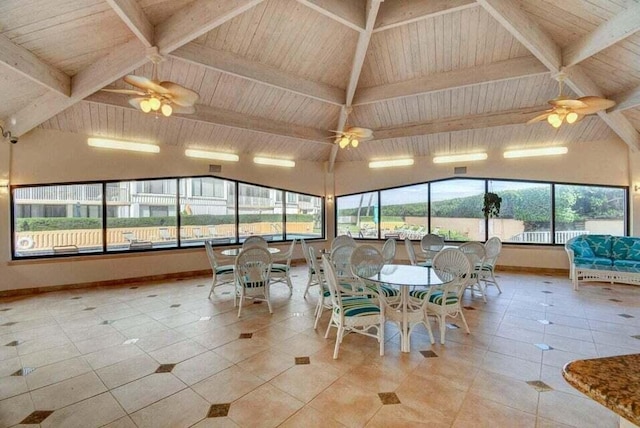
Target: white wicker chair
x=281, y=272
x=352, y=314
x=431, y=244
x=412, y=254
x=253, y=266
x=255, y=241
x=389, y=251
x=341, y=260
x=492, y=247
x=475, y=252
x=367, y=261
x=314, y=274
x=342, y=240
x=222, y=274
x=453, y=266
x=324, y=296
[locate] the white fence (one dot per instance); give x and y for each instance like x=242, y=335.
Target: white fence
x=544, y=237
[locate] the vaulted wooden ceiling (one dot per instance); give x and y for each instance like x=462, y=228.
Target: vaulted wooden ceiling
x=275, y=76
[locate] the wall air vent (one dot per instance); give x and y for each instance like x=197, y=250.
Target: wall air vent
x=460, y=170
x=215, y=168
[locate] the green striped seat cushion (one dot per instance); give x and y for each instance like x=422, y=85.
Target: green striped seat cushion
x=436, y=297
x=385, y=290
x=312, y=270
x=358, y=307
x=279, y=267
x=224, y=269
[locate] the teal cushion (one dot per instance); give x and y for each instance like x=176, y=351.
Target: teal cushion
x=634, y=264
x=358, y=307
x=224, y=269
x=634, y=251
x=600, y=261
x=620, y=247
x=600, y=244
x=385, y=290
x=581, y=248
x=278, y=267
x=435, y=298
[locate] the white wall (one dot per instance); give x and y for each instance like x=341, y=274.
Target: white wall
x=51, y=156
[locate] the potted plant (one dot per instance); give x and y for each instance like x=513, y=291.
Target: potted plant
x=491, y=207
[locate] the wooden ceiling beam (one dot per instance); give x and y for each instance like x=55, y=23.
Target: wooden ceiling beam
x=229, y=63
x=621, y=26
x=626, y=100
x=373, y=6
x=394, y=13
x=229, y=119
x=495, y=72
x=134, y=17
x=196, y=19
x=350, y=13
x=526, y=31
x=30, y=66
x=462, y=123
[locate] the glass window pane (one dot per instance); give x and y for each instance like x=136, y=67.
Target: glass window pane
x=405, y=212
x=207, y=211
x=141, y=215
x=304, y=216
x=456, y=209
x=358, y=215
x=63, y=219
x=588, y=210
x=525, y=212
x=258, y=213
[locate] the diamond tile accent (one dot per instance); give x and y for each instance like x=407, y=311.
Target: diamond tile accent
x=626, y=316
x=257, y=302
x=133, y=288
x=76, y=298
x=547, y=282
x=637, y=336
x=543, y=346
x=452, y=326
x=615, y=300
x=106, y=322
x=36, y=417
x=130, y=341
x=204, y=318
x=200, y=285
x=302, y=360
x=469, y=308
x=25, y=371
x=218, y=410
x=7, y=324
x=545, y=322
x=388, y=398
x=14, y=343
x=245, y=336
x=165, y=368
x=539, y=385
x=5, y=309
x=547, y=292
x=226, y=292
x=90, y=308
x=177, y=305
x=152, y=295
x=606, y=288
x=428, y=354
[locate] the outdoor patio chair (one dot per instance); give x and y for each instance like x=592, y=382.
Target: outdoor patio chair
x=222, y=274
x=253, y=266
x=130, y=237
x=164, y=234
x=475, y=252
x=65, y=249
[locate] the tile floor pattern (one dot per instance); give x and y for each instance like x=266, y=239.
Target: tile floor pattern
x=163, y=355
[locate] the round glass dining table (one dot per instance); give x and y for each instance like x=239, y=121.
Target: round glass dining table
x=403, y=277
x=232, y=252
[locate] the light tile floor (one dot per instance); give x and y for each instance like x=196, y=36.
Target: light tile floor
x=92, y=357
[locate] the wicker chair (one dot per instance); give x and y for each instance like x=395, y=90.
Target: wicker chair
x=476, y=253
x=431, y=244
x=222, y=274
x=389, y=250
x=314, y=274
x=281, y=272
x=412, y=254
x=492, y=251
x=342, y=240
x=254, y=241
x=253, y=266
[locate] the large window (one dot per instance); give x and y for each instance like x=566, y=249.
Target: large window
x=57, y=220
x=456, y=209
x=525, y=212
x=405, y=212
x=358, y=215
x=588, y=209
x=156, y=214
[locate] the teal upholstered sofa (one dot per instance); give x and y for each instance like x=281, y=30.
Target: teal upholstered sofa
x=604, y=258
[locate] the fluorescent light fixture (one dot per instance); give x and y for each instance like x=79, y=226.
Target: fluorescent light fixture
x=460, y=158
x=204, y=154
x=390, y=162
x=274, y=162
x=543, y=151
x=123, y=145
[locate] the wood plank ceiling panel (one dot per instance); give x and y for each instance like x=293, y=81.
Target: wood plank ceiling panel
x=69, y=35
x=292, y=37
x=633, y=115
x=447, y=42
x=17, y=91
x=158, y=11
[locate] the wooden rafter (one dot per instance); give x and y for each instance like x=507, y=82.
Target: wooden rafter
x=525, y=30
x=230, y=119
x=134, y=17
x=609, y=33
x=29, y=65
x=498, y=71
x=356, y=68
x=349, y=13
x=229, y=63
x=626, y=100
x=394, y=13
x=191, y=22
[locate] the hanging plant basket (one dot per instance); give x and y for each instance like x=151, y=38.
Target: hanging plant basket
x=491, y=206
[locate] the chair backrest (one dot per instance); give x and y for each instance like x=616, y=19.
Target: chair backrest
x=492, y=247
x=342, y=240
x=341, y=260
x=305, y=252
x=475, y=252
x=389, y=250
x=410, y=251
x=315, y=264
x=211, y=255
x=253, y=266
x=431, y=243
x=332, y=282
x=366, y=261
x=255, y=241
x=454, y=266
x=289, y=254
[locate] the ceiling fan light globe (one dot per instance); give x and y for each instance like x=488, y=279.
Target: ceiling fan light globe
x=155, y=103
x=344, y=142
x=166, y=110
x=145, y=106
x=572, y=117
x=355, y=143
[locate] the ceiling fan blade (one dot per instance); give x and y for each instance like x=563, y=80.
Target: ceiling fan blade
x=124, y=91
x=566, y=103
x=180, y=95
x=146, y=84
x=597, y=102
x=541, y=117
x=361, y=133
